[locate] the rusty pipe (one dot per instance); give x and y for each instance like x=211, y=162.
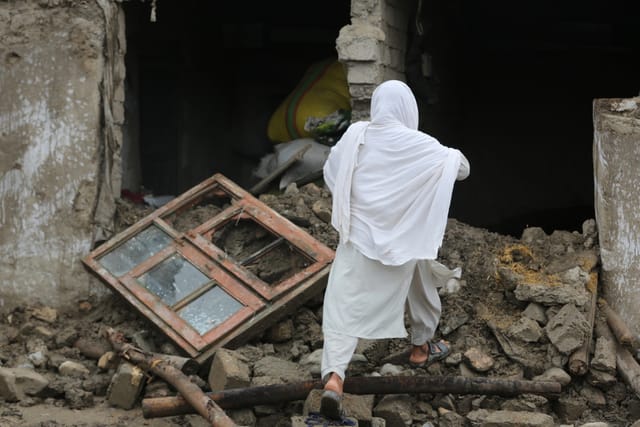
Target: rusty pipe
x=278, y=393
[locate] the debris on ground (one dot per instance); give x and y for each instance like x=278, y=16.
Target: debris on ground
x=522, y=311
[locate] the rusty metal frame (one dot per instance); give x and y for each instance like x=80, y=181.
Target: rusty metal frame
x=260, y=300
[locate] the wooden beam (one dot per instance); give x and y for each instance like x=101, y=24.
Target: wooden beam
x=195, y=398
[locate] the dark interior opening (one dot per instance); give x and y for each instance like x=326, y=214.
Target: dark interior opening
x=512, y=86
x=203, y=80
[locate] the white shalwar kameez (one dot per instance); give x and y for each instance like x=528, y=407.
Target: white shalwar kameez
x=391, y=187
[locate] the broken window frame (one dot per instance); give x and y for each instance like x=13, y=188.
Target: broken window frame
x=259, y=299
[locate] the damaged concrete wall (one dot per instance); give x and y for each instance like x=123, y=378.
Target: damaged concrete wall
x=62, y=68
x=616, y=154
x=373, y=48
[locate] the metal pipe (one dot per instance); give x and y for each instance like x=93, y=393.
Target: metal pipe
x=278, y=393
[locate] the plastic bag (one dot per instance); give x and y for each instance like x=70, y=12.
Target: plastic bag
x=312, y=161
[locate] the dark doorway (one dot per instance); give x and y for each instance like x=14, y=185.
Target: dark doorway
x=203, y=80
x=512, y=86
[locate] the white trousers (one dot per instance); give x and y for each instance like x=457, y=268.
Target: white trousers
x=367, y=299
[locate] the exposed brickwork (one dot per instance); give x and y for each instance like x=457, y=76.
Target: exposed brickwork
x=372, y=48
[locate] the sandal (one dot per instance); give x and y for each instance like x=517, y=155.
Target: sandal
x=437, y=351
x=331, y=405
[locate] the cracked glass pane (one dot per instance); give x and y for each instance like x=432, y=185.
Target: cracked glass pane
x=173, y=279
x=210, y=310
x=140, y=247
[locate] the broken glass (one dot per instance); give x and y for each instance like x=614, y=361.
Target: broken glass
x=173, y=279
x=210, y=310
x=140, y=247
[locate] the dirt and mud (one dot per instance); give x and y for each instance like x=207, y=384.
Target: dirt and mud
x=497, y=294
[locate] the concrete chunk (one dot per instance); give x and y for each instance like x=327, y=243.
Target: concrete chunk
x=525, y=329
x=228, y=371
x=395, y=409
x=8, y=388
x=569, y=288
x=568, y=329
x=29, y=381
x=478, y=359
x=535, y=312
x=126, y=386
x=16, y=383
x=585, y=259
x=517, y=419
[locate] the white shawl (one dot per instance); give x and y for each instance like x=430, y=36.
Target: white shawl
x=391, y=184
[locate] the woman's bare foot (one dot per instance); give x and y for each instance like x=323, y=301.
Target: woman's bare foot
x=335, y=383
x=420, y=353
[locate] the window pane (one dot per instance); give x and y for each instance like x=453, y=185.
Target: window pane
x=173, y=279
x=210, y=310
x=140, y=247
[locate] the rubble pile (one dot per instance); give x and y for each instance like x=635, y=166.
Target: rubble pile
x=525, y=310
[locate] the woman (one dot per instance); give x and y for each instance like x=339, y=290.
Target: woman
x=391, y=187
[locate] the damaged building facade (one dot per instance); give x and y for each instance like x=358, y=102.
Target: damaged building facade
x=62, y=121
x=98, y=98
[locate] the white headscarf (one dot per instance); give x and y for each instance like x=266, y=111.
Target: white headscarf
x=391, y=183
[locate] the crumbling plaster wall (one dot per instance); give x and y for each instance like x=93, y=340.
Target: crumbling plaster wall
x=373, y=47
x=616, y=154
x=60, y=110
